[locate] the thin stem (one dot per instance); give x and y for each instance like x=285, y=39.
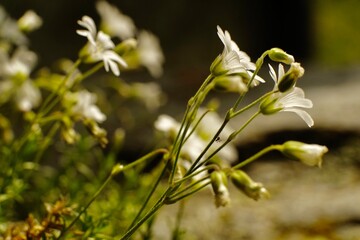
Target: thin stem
x=187, y=177
x=148, y=215
x=117, y=169
x=234, y=114
x=194, y=165
x=230, y=138
x=174, y=200
x=186, y=188
x=92, y=199
x=192, y=106
x=257, y=155
x=259, y=63
x=150, y=195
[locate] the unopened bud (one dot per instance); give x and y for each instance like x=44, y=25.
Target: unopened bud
x=309, y=154
x=30, y=21
x=219, y=186
x=290, y=77
x=279, y=55
x=244, y=183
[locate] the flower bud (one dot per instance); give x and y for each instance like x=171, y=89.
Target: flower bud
x=30, y=21
x=250, y=188
x=230, y=83
x=219, y=186
x=290, y=77
x=309, y=154
x=279, y=55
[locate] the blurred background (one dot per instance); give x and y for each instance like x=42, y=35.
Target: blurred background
x=324, y=35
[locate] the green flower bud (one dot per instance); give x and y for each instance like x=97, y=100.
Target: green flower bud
x=250, y=188
x=279, y=55
x=219, y=186
x=290, y=77
x=309, y=154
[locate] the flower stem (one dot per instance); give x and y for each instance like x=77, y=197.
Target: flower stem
x=257, y=155
x=116, y=169
x=259, y=63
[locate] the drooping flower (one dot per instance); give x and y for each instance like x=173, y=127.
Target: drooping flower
x=99, y=47
x=292, y=101
x=309, y=154
x=220, y=188
x=114, y=22
x=249, y=187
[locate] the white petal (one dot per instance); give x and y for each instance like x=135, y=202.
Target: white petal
x=272, y=73
x=301, y=113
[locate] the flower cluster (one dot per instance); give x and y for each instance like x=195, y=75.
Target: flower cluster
x=63, y=117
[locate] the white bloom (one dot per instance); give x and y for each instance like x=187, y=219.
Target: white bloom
x=309, y=154
x=27, y=96
x=233, y=60
x=99, y=47
x=291, y=101
x=114, y=22
x=21, y=63
x=30, y=21
x=151, y=55
x=9, y=29
x=85, y=106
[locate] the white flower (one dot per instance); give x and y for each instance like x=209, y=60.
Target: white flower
x=27, y=96
x=21, y=64
x=233, y=60
x=9, y=29
x=114, y=22
x=309, y=154
x=291, y=101
x=17, y=84
x=151, y=55
x=85, y=106
x=99, y=47
x=30, y=21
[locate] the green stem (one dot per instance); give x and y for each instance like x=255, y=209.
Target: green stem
x=234, y=114
x=259, y=63
x=179, y=196
x=148, y=215
x=116, y=169
x=191, y=109
x=150, y=195
x=230, y=138
x=257, y=155
x=92, y=199
x=194, y=165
